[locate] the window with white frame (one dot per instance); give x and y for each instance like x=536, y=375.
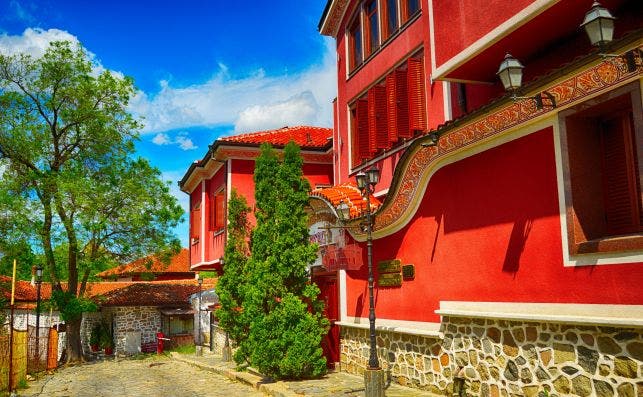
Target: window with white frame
x=602, y=168
x=374, y=23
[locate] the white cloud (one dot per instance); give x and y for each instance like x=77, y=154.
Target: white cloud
x=185, y=143
x=299, y=109
x=161, y=139
x=33, y=41
x=251, y=103
x=182, y=141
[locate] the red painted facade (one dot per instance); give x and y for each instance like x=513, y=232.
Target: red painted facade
x=229, y=164
x=487, y=222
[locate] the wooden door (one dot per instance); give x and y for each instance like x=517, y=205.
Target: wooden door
x=329, y=294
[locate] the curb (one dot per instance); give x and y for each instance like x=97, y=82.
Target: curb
x=277, y=389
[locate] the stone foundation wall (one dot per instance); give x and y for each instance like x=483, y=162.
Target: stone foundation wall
x=143, y=319
x=507, y=358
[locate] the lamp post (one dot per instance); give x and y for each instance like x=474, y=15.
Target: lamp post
x=38, y=285
x=226, y=352
x=374, y=375
x=198, y=335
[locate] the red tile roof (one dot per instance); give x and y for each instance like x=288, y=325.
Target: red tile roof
x=149, y=294
x=25, y=292
x=304, y=136
x=349, y=194
x=151, y=264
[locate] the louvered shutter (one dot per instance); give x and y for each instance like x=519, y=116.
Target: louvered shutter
x=415, y=80
x=620, y=176
x=361, y=115
x=397, y=106
x=377, y=119
x=219, y=211
x=195, y=220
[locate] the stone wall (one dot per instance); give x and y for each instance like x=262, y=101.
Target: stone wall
x=86, y=327
x=143, y=319
x=489, y=357
x=219, y=340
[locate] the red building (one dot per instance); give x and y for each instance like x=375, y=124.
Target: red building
x=152, y=268
x=508, y=230
x=229, y=164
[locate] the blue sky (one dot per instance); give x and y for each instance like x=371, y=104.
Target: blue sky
x=203, y=69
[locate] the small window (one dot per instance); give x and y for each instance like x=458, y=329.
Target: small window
x=604, y=203
x=372, y=27
x=218, y=211
x=195, y=220
x=389, y=18
x=355, y=44
x=409, y=8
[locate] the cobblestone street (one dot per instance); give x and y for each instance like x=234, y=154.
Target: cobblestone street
x=152, y=376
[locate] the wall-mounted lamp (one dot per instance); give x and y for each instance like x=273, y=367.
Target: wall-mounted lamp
x=510, y=74
x=599, y=26
x=433, y=140
x=343, y=211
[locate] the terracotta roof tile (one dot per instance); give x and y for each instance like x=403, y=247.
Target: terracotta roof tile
x=304, y=136
x=25, y=292
x=349, y=194
x=151, y=264
x=149, y=294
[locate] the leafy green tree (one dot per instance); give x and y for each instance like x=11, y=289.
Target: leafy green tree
x=287, y=322
x=70, y=186
x=231, y=283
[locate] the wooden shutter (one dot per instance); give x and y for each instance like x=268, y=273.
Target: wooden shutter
x=361, y=116
x=621, y=190
x=377, y=119
x=195, y=220
x=415, y=80
x=219, y=211
x=397, y=106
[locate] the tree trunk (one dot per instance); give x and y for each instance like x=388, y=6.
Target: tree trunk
x=74, y=347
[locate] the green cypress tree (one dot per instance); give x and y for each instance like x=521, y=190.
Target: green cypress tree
x=287, y=325
x=231, y=283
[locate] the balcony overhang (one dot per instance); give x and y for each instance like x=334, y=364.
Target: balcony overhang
x=332, y=17
x=526, y=36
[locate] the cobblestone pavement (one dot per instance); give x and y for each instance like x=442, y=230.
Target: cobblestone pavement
x=150, y=377
x=333, y=384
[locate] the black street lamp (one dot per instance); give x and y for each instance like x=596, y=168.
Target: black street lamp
x=198, y=335
x=38, y=285
x=374, y=375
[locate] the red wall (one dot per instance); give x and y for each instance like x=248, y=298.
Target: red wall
x=459, y=23
x=488, y=229
x=243, y=178
x=413, y=38
x=195, y=249
x=214, y=243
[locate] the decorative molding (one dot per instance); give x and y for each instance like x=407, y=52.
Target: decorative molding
x=330, y=25
x=416, y=165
